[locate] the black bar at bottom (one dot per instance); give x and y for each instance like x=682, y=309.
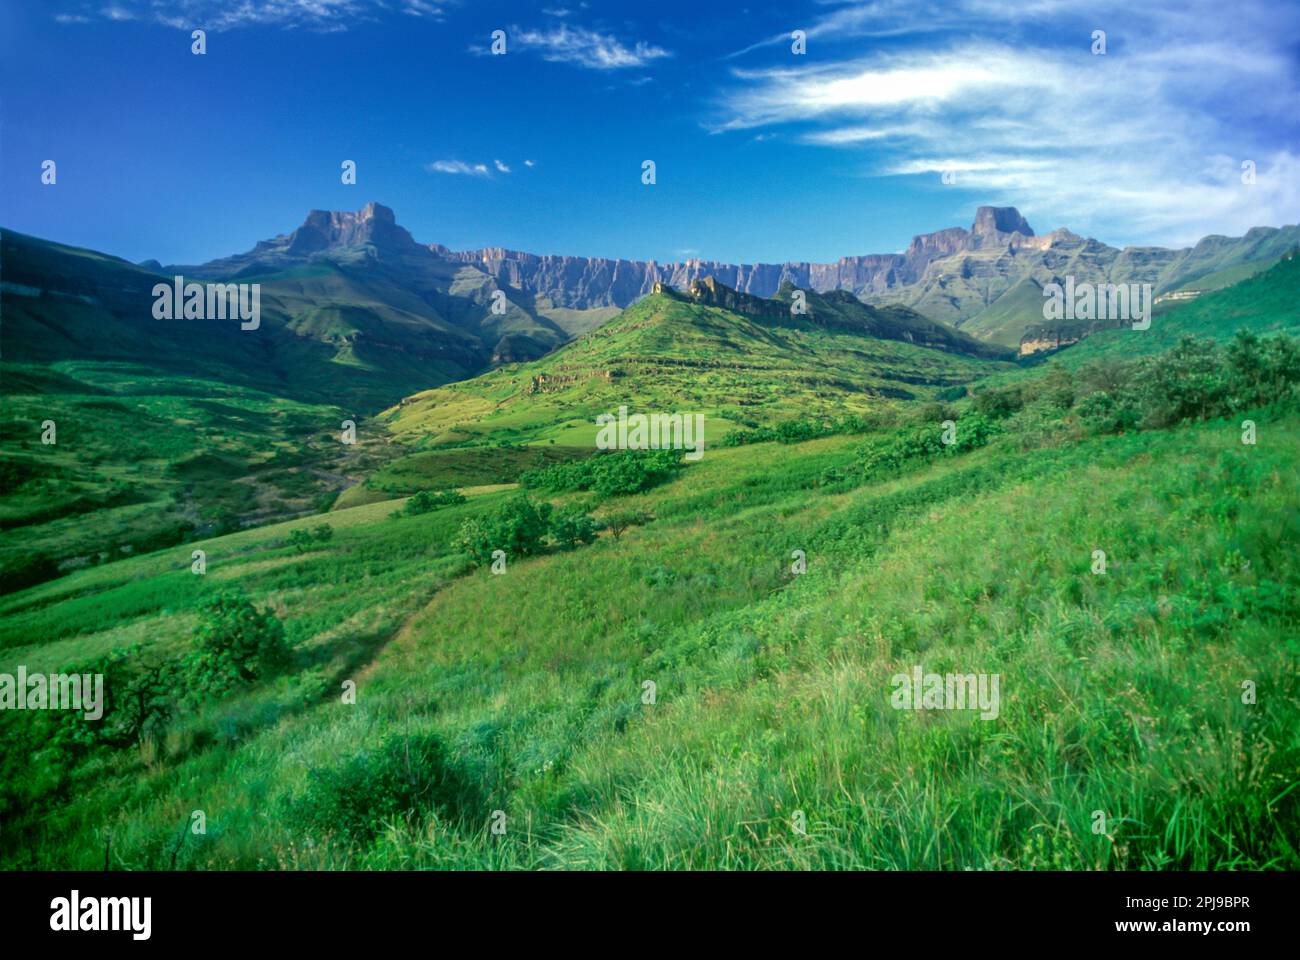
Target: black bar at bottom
x=1216, y=910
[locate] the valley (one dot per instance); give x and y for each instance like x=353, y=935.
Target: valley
x=880, y=494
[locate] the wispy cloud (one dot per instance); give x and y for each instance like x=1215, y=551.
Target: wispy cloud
x=460, y=167
x=1148, y=138
x=501, y=167
x=216, y=15
x=585, y=48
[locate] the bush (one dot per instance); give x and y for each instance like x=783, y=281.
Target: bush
x=301, y=539
x=571, y=526
x=406, y=776
x=427, y=501
x=610, y=474
x=139, y=700
x=518, y=527
x=27, y=571
x=235, y=644
x=1102, y=413
x=1184, y=383
x=618, y=523
x=922, y=443
x=998, y=404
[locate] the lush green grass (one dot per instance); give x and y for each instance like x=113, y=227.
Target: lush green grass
x=665, y=355
x=1121, y=692
x=524, y=693
x=134, y=467
x=1265, y=302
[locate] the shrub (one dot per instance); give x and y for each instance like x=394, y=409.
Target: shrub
x=917, y=444
x=518, y=527
x=618, y=523
x=301, y=539
x=139, y=700
x=1186, y=382
x=427, y=501
x=234, y=644
x=406, y=776
x=571, y=526
x=27, y=570
x=997, y=404
x=610, y=474
x=1102, y=413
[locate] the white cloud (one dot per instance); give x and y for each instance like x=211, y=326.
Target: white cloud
x=501, y=167
x=217, y=15
x=586, y=48
x=529, y=163
x=1144, y=143
x=459, y=167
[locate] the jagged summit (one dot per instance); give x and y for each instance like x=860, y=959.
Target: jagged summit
x=990, y=221
x=837, y=310
x=954, y=275
x=323, y=232
x=374, y=223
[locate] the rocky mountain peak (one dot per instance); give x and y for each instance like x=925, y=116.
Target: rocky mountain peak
x=991, y=221
x=374, y=223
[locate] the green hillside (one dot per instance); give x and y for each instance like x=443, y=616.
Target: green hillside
x=669, y=354
x=769, y=741
x=1265, y=302
x=1007, y=318
x=682, y=663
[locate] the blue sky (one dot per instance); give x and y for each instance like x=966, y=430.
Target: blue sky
x=761, y=154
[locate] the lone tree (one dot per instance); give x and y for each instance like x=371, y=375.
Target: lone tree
x=235, y=644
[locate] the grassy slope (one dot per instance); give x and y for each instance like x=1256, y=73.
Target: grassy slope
x=1120, y=693
x=1265, y=302
x=664, y=355
x=1006, y=319
x=141, y=458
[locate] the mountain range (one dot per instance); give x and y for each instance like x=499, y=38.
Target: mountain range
x=986, y=280
x=356, y=311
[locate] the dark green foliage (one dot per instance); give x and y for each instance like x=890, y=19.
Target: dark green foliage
x=518, y=527
x=407, y=776
x=799, y=430
x=618, y=523
x=571, y=526
x=27, y=570
x=997, y=404
x=139, y=700
x=427, y=501
x=612, y=474
x=521, y=528
x=235, y=644
x=1195, y=380
x=922, y=443
x=301, y=539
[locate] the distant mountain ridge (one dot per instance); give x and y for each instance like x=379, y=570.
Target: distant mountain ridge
x=952, y=275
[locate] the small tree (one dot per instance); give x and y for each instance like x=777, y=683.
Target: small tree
x=518, y=527
x=235, y=643
x=618, y=523
x=428, y=500
x=571, y=526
